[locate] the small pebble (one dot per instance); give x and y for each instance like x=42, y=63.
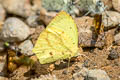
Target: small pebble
x=113, y=54
x=26, y=47
x=32, y=21
x=86, y=63
x=80, y=75
x=65, y=72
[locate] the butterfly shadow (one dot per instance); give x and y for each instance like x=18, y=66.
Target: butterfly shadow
x=64, y=64
x=94, y=37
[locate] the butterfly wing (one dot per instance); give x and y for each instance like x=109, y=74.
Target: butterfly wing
x=65, y=23
x=58, y=41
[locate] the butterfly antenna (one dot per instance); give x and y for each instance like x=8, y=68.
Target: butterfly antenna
x=87, y=13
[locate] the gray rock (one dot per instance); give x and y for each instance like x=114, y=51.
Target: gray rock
x=2, y=13
x=80, y=75
x=97, y=74
x=14, y=30
x=110, y=19
x=32, y=21
x=26, y=47
x=53, y=5
x=58, y=5
x=18, y=7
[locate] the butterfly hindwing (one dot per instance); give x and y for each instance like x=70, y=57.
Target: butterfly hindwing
x=57, y=41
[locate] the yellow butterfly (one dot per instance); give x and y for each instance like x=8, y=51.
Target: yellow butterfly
x=58, y=41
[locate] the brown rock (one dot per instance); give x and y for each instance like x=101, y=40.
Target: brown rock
x=116, y=5
x=37, y=4
x=45, y=16
x=18, y=7
x=111, y=19
x=86, y=33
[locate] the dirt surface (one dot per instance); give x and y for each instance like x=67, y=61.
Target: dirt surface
x=97, y=51
x=93, y=58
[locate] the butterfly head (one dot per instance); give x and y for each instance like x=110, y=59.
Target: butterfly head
x=99, y=7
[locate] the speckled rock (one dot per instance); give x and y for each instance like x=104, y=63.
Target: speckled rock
x=26, y=47
x=18, y=7
x=116, y=5
x=86, y=34
x=2, y=13
x=111, y=19
x=14, y=30
x=97, y=74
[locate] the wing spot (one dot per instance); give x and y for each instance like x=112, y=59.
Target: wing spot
x=63, y=32
x=62, y=53
x=51, y=53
